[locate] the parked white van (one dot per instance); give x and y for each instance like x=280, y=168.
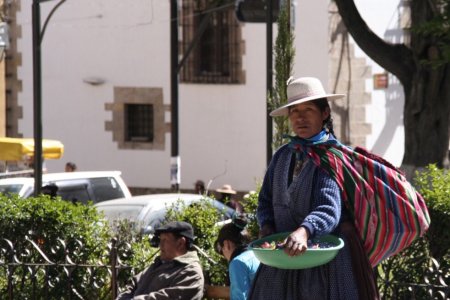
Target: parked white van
x=81, y=187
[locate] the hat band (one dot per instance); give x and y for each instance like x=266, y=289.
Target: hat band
x=304, y=95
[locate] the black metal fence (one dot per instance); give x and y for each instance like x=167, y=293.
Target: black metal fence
x=26, y=272
x=433, y=283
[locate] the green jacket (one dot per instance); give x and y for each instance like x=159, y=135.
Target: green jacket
x=181, y=278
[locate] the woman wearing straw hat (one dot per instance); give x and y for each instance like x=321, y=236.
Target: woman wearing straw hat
x=298, y=196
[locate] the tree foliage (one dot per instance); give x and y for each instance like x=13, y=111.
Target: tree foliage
x=284, y=57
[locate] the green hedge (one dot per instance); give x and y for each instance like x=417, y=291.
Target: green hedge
x=59, y=229
x=434, y=185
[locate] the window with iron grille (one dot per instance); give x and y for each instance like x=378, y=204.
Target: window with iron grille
x=139, y=122
x=138, y=118
x=216, y=56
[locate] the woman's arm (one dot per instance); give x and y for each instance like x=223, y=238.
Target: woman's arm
x=324, y=215
x=264, y=211
x=239, y=280
x=326, y=206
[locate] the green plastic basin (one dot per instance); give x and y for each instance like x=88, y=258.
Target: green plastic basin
x=311, y=258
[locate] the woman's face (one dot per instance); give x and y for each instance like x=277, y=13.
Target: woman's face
x=307, y=119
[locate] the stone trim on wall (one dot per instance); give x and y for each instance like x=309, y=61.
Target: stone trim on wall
x=347, y=75
x=137, y=95
x=13, y=60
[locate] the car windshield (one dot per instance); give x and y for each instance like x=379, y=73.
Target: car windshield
x=106, y=188
x=8, y=189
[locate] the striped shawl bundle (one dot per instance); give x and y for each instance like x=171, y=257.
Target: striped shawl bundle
x=388, y=212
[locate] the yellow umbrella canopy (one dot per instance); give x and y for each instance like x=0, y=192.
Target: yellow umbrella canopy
x=18, y=148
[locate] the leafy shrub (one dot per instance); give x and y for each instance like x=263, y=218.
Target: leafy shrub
x=250, y=204
x=434, y=185
x=203, y=217
x=67, y=234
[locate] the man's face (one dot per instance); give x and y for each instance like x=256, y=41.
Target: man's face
x=171, y=246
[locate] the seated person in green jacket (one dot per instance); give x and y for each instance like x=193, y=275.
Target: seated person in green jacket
x=175, y=274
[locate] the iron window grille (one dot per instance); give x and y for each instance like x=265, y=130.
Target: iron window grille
x=217, y=56
x=139, y=123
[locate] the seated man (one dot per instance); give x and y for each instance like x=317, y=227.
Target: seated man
x=176, y=273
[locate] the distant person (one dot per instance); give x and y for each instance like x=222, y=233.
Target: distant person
x=226, y=197
x=232, y=244
x=70, y=167
x=176, y=273
x=199, y=187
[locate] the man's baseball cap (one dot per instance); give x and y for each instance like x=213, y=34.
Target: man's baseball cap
x=179, y=227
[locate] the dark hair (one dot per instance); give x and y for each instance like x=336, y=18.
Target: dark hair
x=71, y=165
x=323, y=104
x=234, y=232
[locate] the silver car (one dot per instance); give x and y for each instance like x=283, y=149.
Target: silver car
x=148, y=211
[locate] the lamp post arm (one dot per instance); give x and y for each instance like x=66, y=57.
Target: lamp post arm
x=44, y=27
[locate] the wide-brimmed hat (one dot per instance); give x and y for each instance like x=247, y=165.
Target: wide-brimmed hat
x=301, y=90
x=179, y=227
x=226, y=189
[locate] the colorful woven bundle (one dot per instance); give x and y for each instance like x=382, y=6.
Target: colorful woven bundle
x=388, y=212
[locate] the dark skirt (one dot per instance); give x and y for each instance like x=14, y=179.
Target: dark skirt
x=362, y=269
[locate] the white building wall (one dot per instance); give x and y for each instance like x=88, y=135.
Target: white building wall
x=127, y=43
x=311, y=39
x=109, y=39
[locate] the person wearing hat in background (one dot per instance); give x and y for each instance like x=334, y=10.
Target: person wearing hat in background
x=298, y=196
x=226, y=192
x=199, y=187
x=176, y=273
x=232, y=244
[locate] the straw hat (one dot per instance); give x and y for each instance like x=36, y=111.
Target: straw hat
x=301, y=90
x=226, y=189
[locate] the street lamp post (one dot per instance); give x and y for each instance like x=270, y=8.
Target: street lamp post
x=37, y=96
x=37, y=90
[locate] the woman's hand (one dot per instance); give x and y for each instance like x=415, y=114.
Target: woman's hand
x=297, y=242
